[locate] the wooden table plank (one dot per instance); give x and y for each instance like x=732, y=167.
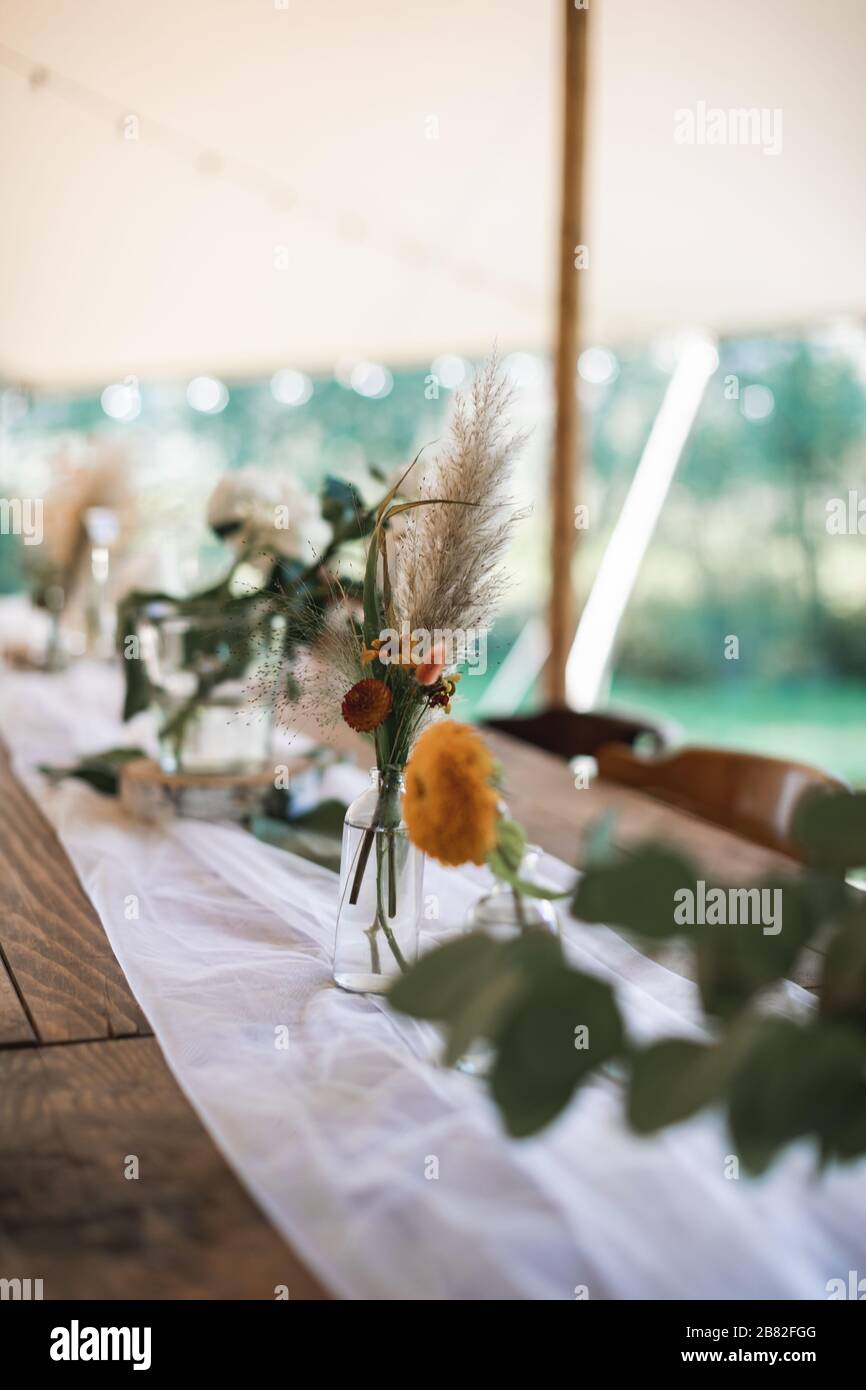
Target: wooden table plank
x=541, y=794
x=70, y=1118
x=15, y=1029
x=51, y=939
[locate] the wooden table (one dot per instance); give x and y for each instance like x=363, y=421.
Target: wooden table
x=84, y=1086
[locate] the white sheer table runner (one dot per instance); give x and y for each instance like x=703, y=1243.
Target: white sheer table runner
x=390, y=1176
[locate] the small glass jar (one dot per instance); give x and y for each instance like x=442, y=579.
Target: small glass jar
x=381, y=890
x=56, y=654
x=505, y=914
x=209, y=677
x=102, y=526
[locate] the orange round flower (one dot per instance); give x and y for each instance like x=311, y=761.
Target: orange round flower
x=367, y=705
x=450, y=806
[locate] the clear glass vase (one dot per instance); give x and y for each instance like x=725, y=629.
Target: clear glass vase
x=103, y=529
x=505, y=915
x=381, y=888
x=209, y=674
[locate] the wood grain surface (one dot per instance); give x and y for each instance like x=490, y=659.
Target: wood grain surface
x=52, y=941
x=15, y=1026
x=71, y=1119
x=72, y=1112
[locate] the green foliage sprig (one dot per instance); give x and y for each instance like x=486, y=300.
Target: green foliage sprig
x=290, y=589
x=780, y=1078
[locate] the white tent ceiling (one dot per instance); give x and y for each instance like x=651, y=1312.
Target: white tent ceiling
x=300, y=137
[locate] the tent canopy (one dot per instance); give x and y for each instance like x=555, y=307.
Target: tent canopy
x=217, y=186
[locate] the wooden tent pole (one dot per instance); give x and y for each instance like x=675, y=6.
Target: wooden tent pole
x=566, y=455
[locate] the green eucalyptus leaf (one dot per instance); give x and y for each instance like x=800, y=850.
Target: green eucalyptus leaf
x=673, y=1079
x=344, y=510
x=539, y=890
x=735, y=961
x=138, y=694
x=99, y=770
x=797, y=1081
x=439, y=986
x=307, y=841
x=844, y=1137
x=510, y=842
x=326, y=819
x=831, y=828
x=541, y=1058
x=843, y=990
x=482, y=1015
x=499, y=866
x=638, y=891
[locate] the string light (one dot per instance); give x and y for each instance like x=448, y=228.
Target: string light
x=291, y=387
x=207, y=395
x=281, y=196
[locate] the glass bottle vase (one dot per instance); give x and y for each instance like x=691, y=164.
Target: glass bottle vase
x=210, y=676
x=381, y=890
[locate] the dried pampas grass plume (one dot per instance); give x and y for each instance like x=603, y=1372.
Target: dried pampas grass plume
x=447, y=560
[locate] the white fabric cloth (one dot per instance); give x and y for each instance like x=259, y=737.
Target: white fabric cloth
x=389, y=1175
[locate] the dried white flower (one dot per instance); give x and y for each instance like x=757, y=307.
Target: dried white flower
x=447, y=557
x=270, y=509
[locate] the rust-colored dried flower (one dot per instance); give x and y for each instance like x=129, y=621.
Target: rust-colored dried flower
x=366, y=705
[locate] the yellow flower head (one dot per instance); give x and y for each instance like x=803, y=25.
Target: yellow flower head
x=371, y=653
x=450, y=805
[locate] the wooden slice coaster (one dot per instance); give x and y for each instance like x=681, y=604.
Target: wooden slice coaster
x=151, y=794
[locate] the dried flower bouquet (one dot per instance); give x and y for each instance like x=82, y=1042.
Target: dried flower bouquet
x=431, y=584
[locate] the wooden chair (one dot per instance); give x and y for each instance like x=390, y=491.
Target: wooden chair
x=572, y=733
x=752, y=795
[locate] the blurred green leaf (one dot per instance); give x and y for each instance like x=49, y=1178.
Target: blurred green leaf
x=539, y=1061
x=99, y=770
x=831, y=828
x=472, y=984
x=344, y=510
x=843, y=990
x=844, y=1138
x=442, y=981
x=636, y=891
x=483, y=1014
x=505, y=859
x=316, y=835
x=797, y=1081
x=673, y=1079
x=137, y=692
x=138, y=695
x=325, y=819
x=510, y=842
x=307, y=844
x=736, y=960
